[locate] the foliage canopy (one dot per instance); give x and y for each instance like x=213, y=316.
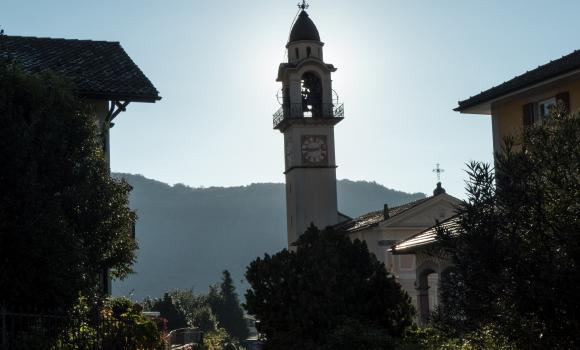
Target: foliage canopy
x=225, y=303
x=218, y=314
x=327, y=289
x=517, y=252
x=63, y=219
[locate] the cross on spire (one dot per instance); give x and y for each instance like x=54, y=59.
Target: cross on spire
x=438, y=170
x=303, y=5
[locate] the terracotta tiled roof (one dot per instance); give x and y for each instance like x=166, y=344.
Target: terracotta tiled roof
x=98, y=69
x=425, y=237
x=376, y=217
x=563, y=65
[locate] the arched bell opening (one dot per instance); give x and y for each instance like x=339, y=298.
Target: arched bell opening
x=311, y=91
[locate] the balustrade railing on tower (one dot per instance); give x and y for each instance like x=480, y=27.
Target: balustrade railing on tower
x=298, y=110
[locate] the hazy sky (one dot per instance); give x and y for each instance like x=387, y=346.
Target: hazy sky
x=402, y=66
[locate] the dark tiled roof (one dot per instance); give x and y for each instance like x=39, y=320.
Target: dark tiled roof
x=304, y=29
x=425, y=237
x=550, y=70
x=374, y=218
x=98, y=69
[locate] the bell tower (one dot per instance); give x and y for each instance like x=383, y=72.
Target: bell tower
x=309, y=111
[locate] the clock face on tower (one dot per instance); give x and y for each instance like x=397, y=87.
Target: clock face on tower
x=314, y=149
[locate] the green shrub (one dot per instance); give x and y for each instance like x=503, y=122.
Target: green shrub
x=214, y=340
x=117, y=323
x=126, y=326
x=486, y=338
x=354, y=335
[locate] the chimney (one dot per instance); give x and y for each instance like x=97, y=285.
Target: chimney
x=386, y=211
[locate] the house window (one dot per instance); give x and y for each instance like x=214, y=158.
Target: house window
x=537, y=112
x=544, y=109
x=308, y=51
x=297, y=53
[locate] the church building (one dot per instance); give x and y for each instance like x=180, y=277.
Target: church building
x=384, y=228
x=309, y=112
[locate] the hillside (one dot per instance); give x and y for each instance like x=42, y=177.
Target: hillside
x=187, y=236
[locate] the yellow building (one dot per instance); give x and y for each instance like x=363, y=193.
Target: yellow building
x=513, y=105
x=528, y=98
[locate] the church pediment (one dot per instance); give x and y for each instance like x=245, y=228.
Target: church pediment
x=426, y=213
x=417, y=214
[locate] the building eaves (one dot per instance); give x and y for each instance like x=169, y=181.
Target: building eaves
x=97, y=69
x=553, y=69
x=376, y=217
x=425, y=238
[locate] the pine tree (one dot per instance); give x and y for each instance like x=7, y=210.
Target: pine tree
x=225, y=303
x=174, y=315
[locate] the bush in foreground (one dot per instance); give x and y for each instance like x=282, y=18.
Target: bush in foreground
x=324, y=293
x=516, y=253
x=63, y=219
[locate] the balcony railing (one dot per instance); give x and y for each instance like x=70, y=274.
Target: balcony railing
x=296, y=111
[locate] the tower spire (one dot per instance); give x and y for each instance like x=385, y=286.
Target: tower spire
x=303, y=5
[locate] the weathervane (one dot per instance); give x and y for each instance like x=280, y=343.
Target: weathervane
x=303, y=5
x=438, y=170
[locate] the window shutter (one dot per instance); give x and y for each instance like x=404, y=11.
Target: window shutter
x=565, y=98
x=528, y=114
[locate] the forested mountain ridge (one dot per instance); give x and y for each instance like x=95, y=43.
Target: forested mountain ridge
x=187, y=236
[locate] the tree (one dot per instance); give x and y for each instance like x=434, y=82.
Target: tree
x=225, y=304
x=170, y=309
x=183, y=308
x=196, y=309
x=328, y=287
x=63, y=219
x=517, y=249
x=125, y=327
